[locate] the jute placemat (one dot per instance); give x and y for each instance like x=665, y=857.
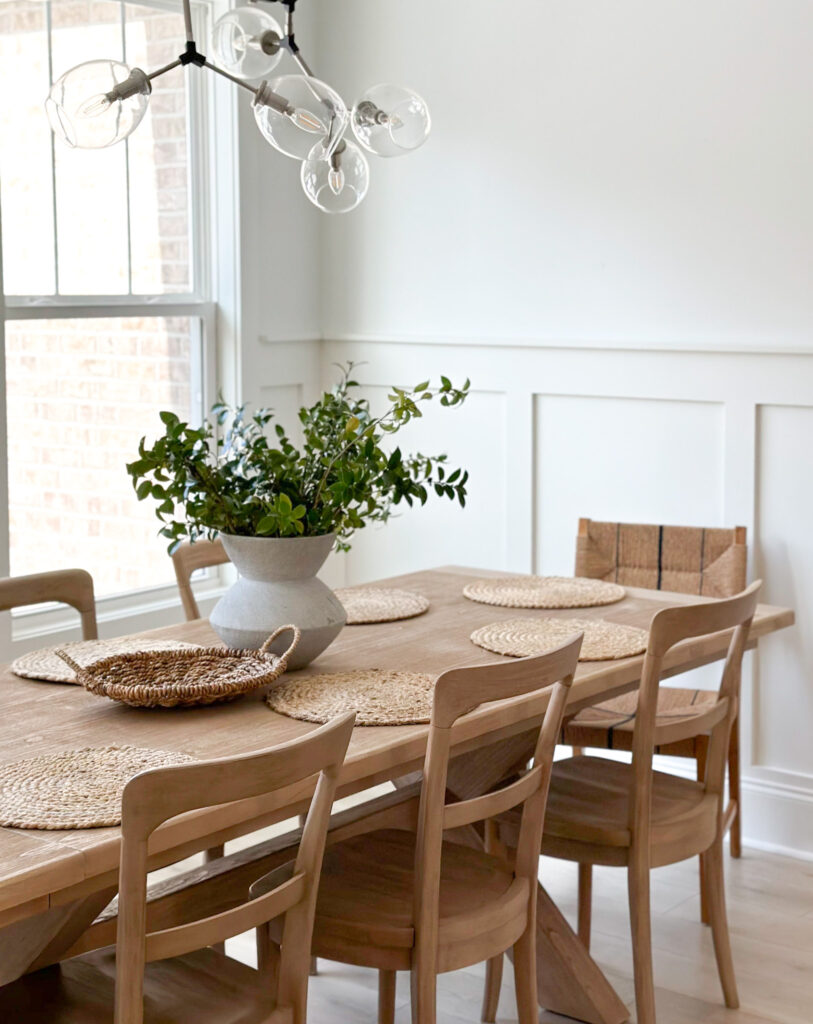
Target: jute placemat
x=45, y=666
x=378, y=604
x=520, y=638
x=378, y=696
x=75, y=788
x=544, y=592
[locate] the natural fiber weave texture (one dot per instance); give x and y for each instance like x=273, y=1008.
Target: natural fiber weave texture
x=686, y=559
x=45, y=664
x=378, y=696
x=520, y=638
x=206, y=675
x=377, y=604
x=543, y=592
x=75, y=788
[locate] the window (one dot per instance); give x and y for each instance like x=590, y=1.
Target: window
x=108, y=319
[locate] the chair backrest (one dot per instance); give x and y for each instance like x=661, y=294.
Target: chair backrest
x=669, y=627
x=68, y=586
x=686, y=559
x=154, y=797
x=187, y=558
x=457, y=692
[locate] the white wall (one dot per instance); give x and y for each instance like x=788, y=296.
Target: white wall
x=630, y=172
x=611, y=232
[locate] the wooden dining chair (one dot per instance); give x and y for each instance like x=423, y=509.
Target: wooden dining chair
x=73, y=587
x=627, y=815
x=406, y=899
x=187, y=559
x=689, y=560
x=174, y=975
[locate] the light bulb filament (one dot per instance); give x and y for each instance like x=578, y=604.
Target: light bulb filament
x=95, y=106
x=336, y=180
x=307, y=121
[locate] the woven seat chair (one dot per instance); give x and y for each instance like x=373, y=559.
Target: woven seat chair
x=73, y=587
x=689, y=560
x=188, y=558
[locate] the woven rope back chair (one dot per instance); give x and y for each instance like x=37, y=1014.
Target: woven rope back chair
x=686, y=559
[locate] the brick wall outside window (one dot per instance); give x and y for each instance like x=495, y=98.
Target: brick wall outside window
x=82, y=392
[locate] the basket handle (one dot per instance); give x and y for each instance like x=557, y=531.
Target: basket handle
x=80, y=672
x=282, y=629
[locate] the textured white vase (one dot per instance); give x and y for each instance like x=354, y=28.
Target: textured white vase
x=277, y=586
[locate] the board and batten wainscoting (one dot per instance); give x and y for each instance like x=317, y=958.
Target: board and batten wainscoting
x=667, y=436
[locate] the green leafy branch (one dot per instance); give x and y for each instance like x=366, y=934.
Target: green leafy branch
x=242, y=474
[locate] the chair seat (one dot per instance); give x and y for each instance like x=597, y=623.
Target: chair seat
x=610, y=725
x=589, y=804
x=203, y=987
x=364, y=913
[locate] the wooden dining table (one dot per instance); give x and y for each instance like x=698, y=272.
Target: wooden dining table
x=54, y=884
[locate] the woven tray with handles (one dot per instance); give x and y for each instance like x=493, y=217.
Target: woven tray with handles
x=169, y=679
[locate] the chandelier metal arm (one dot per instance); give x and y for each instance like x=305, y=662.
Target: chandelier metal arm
x=225, y=74
x=187, y=20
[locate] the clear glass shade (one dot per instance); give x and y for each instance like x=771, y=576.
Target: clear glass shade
x=336, y=182
x=389, y=120
x=97, y=104
x=312, y=113
x=247, y=42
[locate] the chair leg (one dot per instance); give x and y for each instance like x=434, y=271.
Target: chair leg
x=268, y=957
x=585, y=903
x=494, y=966
x=734, y=795
x=701, y=754
x=386, y=997
x=641, y=925
x=578, y=751
x=215, y=853
x=719, y=923
x=525, y=975
x=491, y=993
x=423, y=987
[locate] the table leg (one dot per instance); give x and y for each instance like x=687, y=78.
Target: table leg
x=568, y=980
x=40, y=940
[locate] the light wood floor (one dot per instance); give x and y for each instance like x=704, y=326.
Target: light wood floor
x=771, y=914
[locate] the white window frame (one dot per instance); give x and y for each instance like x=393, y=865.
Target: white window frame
x=214, y=302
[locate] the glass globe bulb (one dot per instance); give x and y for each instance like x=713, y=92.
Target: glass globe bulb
x=336, y=182
x=295, y=111
x=247, y=42
x=97, y=104
x=389, y=120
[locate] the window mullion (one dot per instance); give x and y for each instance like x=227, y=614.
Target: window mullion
x=127, y=166
x=53, y=151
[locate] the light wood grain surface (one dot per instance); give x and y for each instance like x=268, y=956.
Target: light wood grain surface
x=38, y=718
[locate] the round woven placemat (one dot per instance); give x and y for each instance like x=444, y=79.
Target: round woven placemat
x=377, y=604
x=378, y=696
x=520, y=638
x=544, y=592
x=75, y=788
x=45, y=666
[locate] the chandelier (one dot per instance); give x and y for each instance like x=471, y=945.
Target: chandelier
x=101, y=102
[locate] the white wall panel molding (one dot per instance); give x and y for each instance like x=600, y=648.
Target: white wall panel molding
x=704, y=347
x=712, y=438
